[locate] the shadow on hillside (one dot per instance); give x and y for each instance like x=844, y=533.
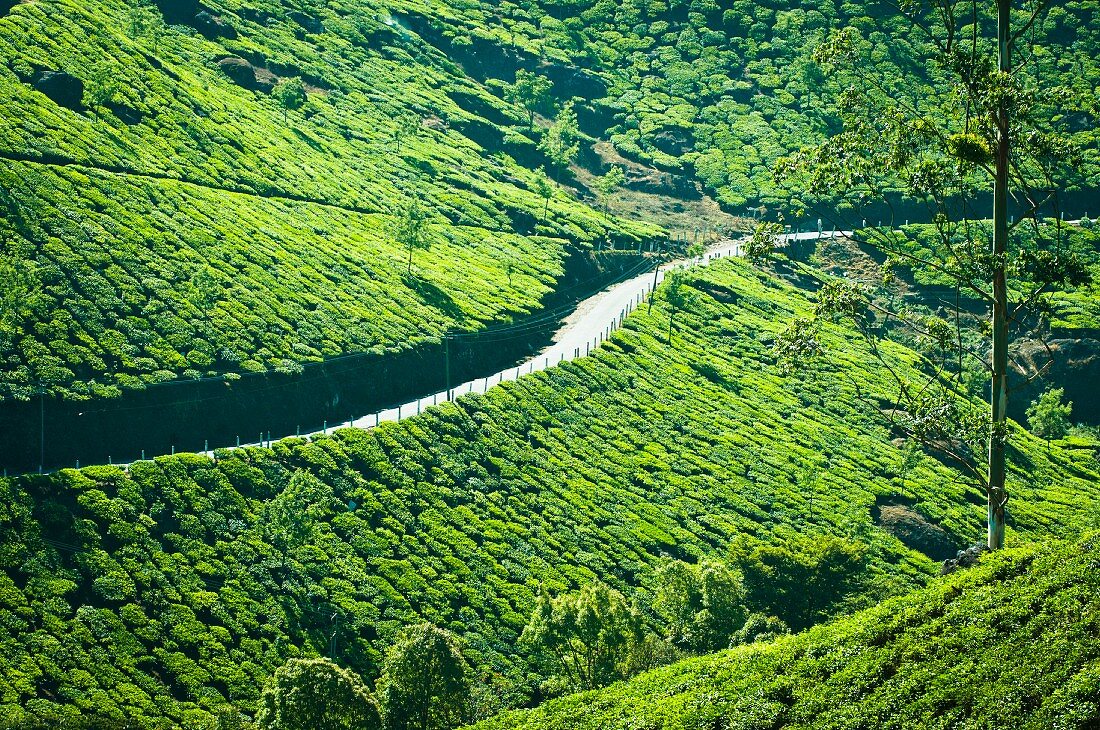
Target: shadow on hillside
x=435, y=297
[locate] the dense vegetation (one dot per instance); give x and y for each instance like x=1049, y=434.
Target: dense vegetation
x=1011, y=642
x=723, y=90
x=172, y=223
x=164, y=592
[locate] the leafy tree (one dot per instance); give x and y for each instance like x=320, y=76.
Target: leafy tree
x=316, y=694
x=1048, y=417
x=290, y=95
x=675, y=293
x=803, y=580
x=702, y=605
x=758, y=627
x=590, y=634
x=412, y=229
x=561, y=142
x=100, y=87
x=989, y=124
x=530, y=91
x=406, y=126
x=763, y=242
x=608, y=183
x=544, y=189
x=425, y=681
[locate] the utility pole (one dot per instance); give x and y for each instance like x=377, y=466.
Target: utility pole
x=653, y=292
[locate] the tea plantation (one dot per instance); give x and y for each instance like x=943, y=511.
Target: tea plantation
x=173, y=223
x=1013, y=642
x=158, y=595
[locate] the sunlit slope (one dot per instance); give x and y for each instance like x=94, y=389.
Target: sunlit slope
x=182, y=584
x=1011, y=642
x=189, y=225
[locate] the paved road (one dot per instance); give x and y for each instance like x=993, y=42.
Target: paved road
x=581, y=332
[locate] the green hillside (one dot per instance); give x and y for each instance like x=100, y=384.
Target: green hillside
x=180, y=585
x=721, y=90
x=171, y=220
x=187, y=225
x=1010, y=643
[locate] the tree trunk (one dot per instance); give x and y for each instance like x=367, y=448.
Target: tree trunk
x=995, y=490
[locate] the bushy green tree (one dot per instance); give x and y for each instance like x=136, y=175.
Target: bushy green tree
x=530, y=91
x=1048, y=416
x=425, y=681
x=675, y=293
x=758, y=627
x=561, y=142
x=803, y=580
x=701, y=605
x=545, y=190
x=316, y=694
x=290, y=95
x=607, y=184
x=590, y=634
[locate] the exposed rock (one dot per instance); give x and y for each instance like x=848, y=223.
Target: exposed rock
x=308, y=22
x=916, y=532
x=649, y=180
x=1072, y=363
x=570, y=81
x=178, y=11
x=212, y=27
x=239, y=71
x=675, y=142
x=963, y=559
x=63, y=88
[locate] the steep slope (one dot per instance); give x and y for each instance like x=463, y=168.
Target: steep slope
x=170, y=589
x=162, y=216
x=1010, y=643
x=721, y=90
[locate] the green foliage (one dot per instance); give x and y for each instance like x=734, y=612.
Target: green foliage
x=803, y=581
x=216, y=572
x=765, y=239
x=561, y=141
x=590, y=635
x=531, y=91
x=702, y=605
x=1011, y=642
x=182, y=169
x=411, y=228
x=316, y=694
x=425, y=683
x=290, y=95
x=1048, y=416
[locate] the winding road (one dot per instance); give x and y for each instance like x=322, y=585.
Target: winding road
x=593, y=320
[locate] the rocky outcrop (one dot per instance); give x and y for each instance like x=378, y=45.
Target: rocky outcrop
x=916, y=532
x=963, y=559
x=211, y=26
x=63, y=88
x=239, y=71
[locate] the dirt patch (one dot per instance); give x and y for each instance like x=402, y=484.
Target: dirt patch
x=914, y=531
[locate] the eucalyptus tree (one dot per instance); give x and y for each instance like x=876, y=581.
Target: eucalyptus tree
x=411, y=230
x=975, y=116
